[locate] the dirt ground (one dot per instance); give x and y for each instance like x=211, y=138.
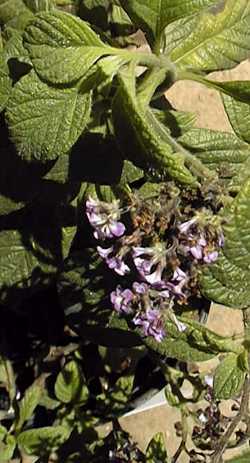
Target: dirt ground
x=206, y=103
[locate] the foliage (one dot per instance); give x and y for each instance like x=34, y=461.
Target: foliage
x=121, y=222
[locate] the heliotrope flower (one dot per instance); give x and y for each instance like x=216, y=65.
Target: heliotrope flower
x=104, y=218
x=113, y=261
x=151, y=323
x=122, y=299
x=177, y=282
x=150, y=263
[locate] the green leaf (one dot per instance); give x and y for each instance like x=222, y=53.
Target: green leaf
x=45, y=122
x=227, y=281
x=130, y=173
x=243, y=458
x=42, y=441
x=29, y=402
x=228, y=378
x=239, y=116
x=152, y=16
x=7, y=444
x=5, y=81
x=95, y=12
x=62, y=47
x=178, y=122
x=190, y=345
x=68, y=234
x=148, y=146
x=219, y=38
x=241, y=177
x=39, y=5
x=14, y=46
x=69, y=386
x=156, y=450
x=220, y=151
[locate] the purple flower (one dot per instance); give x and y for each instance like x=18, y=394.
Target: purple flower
x=114, y=262
x=180, y=325
x=211, y=257
x=185, y=226
x=117, y=264
x=104, y=218
x=140, y=288
x=121, y=300
x=150, y=263
x=221, y=240
x=151, y=324
x=178, y=281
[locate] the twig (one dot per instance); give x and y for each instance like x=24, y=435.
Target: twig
x=244, y=407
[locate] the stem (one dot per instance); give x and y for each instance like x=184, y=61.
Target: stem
x=151, y=80
x=244, y=407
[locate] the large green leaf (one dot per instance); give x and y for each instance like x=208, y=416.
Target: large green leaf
x=62, y=47
x=221, y=151
x=219, y=39
x=69, y=386
x=5, y=81
x=239, y=116
x=228, y=378
x=11, y=8
x=7, y=444
x=227, y=281
x=45, y=122
x=152, y=16
x=196, y=343
x=42, y=441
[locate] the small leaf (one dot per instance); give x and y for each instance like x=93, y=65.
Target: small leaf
x=9, y=9
x=45, y=122
x=156, y=450
x=7, y=444
x=29, y=402
x=228, y=378
x=68, y=234
x=227, y=281
x=218, y=40
x=69, y=386
x=152, y=16
x=42, y=441
x=62, y=47
x=239, y=116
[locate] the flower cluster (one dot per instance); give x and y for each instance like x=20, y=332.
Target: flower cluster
x=159, y=263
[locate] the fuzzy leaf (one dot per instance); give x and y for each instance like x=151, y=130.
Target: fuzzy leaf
x=69, y=386
x=221, y=151
x=42, y=441
x=219, y=38
x=62, y=47
x=45, y=122
x=5, y=82
x=7, y=444
x=239, y=116
x=156, y=450
x=29, y=402
x=152, y=16
x=227, y=281
x=11, y=8
x=191, y=345
x=228, y=378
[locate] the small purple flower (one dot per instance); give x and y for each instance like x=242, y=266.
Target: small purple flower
x=178, y=281
x=117, y=264
x=140, y=288
x=113, y=262
x=104, y=218
x=221, y=240
x=150, y=263
x=180, y=325
x=211, y=257
x=151, y=324
x=121, y=300
x=185, y=226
